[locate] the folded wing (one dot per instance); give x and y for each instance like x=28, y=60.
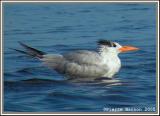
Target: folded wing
x=83, y=57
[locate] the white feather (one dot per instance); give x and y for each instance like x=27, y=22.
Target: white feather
x=82, y=63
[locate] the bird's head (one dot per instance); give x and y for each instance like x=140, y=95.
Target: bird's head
x=114, y=47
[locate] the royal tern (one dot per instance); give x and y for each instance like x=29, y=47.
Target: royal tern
x=83, y=63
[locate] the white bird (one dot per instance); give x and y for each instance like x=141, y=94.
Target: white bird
x=84, y=63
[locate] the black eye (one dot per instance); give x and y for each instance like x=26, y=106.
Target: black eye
x=114, y=45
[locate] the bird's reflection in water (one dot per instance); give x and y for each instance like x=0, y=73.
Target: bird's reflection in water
x=95, y=81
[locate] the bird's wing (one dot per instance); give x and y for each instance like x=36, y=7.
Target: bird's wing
x=80, y=70
x=83, y=57
x=78, y=63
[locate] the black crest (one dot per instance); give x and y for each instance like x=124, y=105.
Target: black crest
x=105, y=42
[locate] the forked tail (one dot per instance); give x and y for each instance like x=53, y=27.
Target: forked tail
x=31, y=51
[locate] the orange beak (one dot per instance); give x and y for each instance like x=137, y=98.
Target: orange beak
x=127, y=48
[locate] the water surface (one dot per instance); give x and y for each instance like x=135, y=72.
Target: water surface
x=65, y=27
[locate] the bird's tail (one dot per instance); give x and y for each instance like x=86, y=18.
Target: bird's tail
x=30, y=51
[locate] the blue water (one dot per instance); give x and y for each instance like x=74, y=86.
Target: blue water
x=65, y=27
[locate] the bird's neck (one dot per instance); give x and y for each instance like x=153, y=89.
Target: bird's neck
x=108, y=56
x=111, y=60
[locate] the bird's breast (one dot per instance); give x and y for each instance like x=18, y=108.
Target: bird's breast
x=113, y=66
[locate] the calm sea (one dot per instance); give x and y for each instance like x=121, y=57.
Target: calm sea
x=65, y=27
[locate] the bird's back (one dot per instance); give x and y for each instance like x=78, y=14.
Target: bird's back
x=83, y=57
